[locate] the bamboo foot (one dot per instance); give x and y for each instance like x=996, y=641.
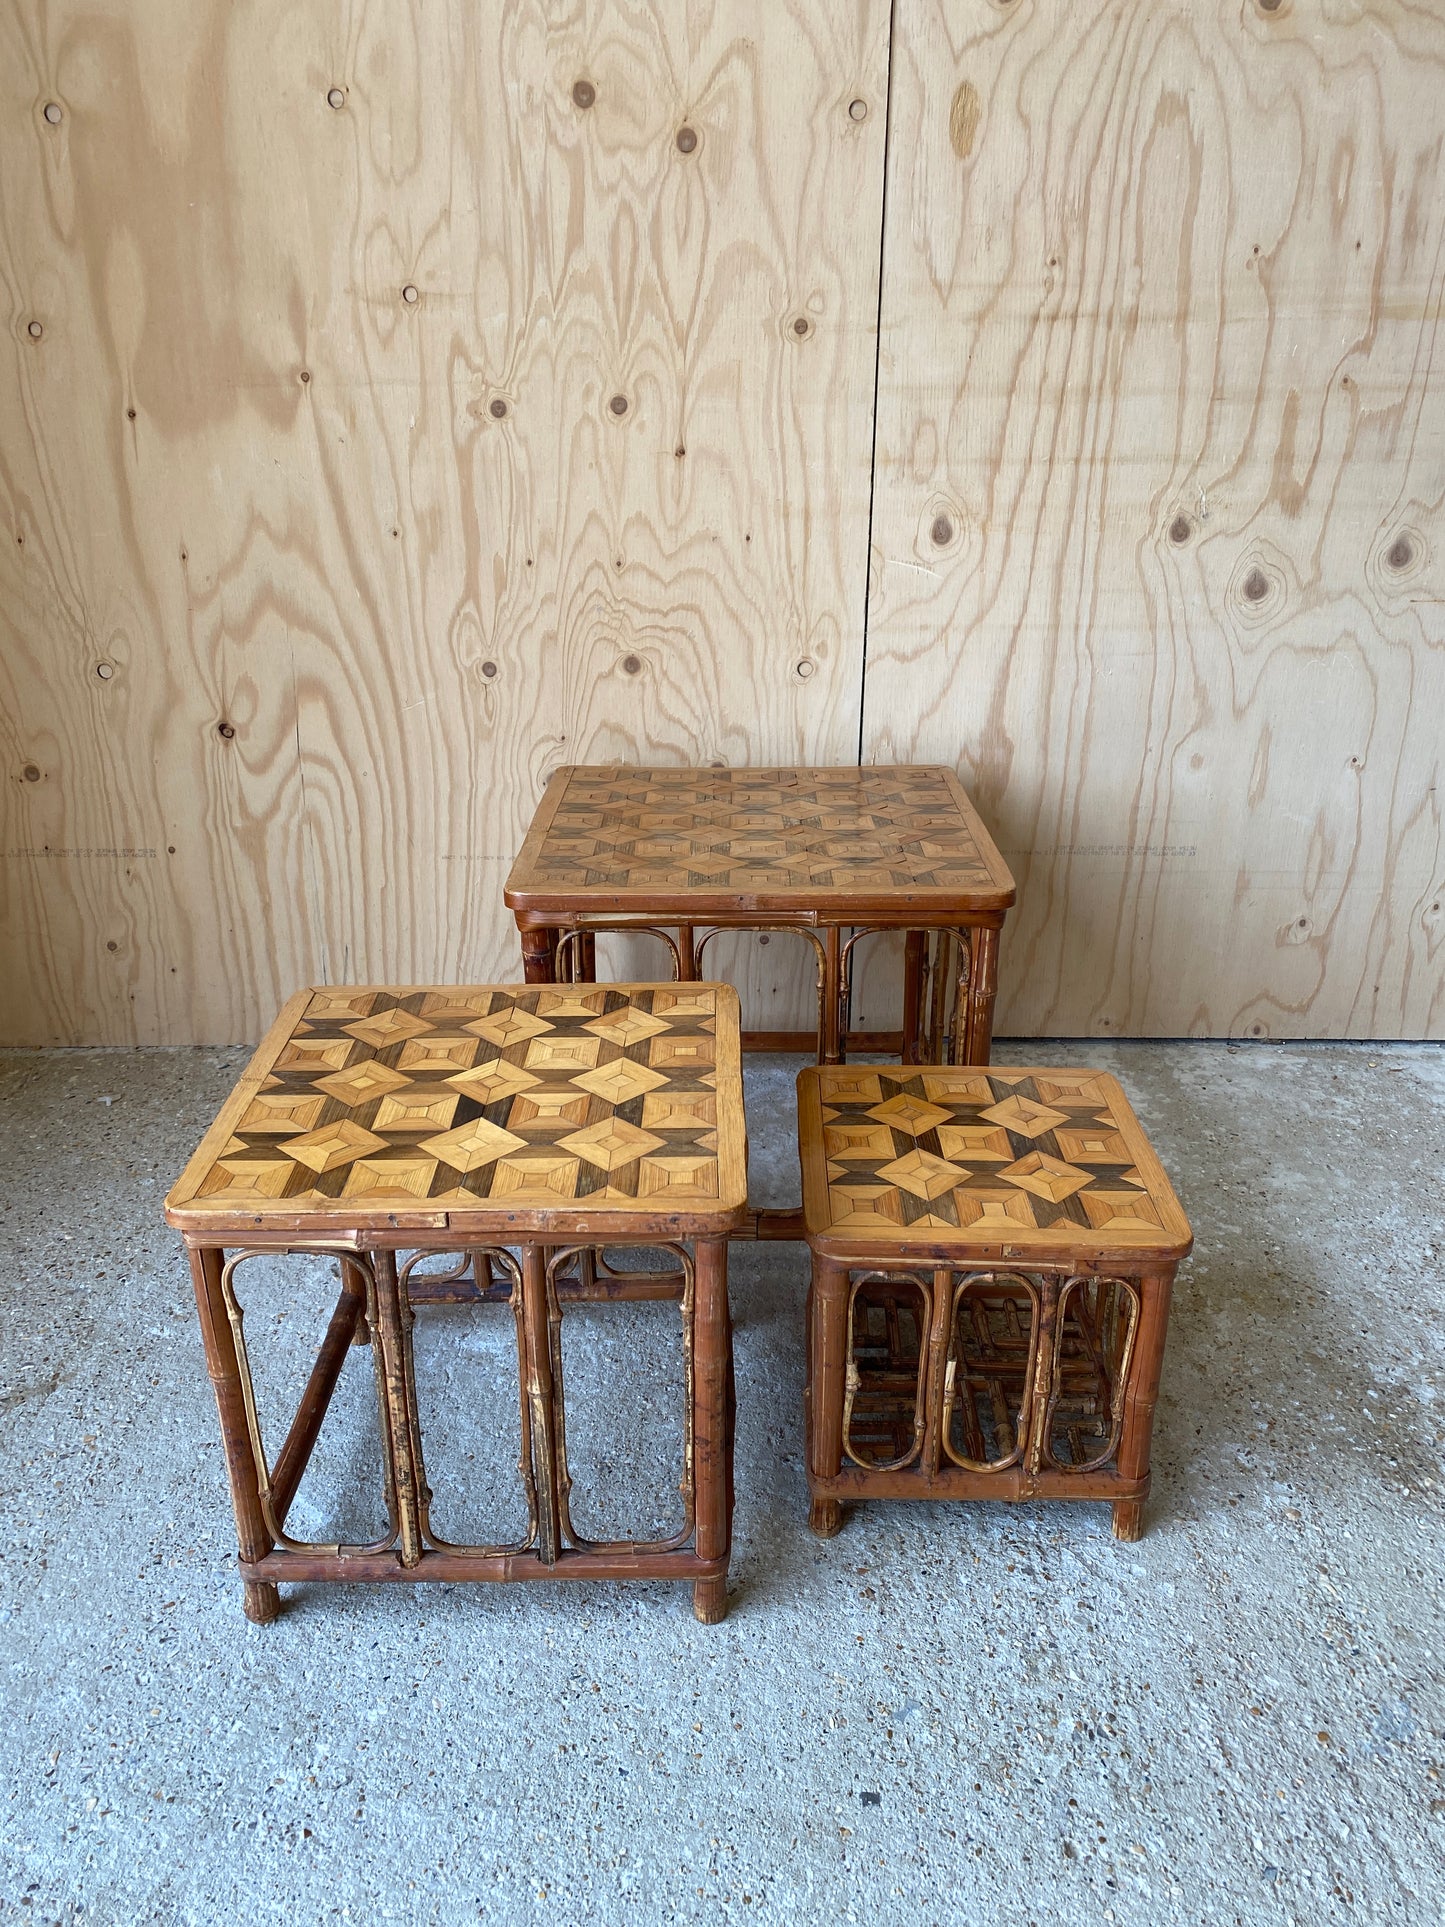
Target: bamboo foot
x=260, y=1601
x=825, y=1516
x=1128, y=1519
x=710, y=1601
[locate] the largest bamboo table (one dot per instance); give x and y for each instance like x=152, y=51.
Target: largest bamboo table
x=475, y=1123
x=820, y=851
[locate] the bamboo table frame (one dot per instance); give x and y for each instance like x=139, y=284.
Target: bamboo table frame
x=623, y=1126
x=993, y=1257
x=836, y=855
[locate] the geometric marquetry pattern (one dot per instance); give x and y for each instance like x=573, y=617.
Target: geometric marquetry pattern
x=749, y=829
x=526, y=1097
x=980, y=1150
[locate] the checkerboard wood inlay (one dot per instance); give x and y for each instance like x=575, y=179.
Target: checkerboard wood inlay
x=953, y=1154
x=587, y=1095
x=637, y=832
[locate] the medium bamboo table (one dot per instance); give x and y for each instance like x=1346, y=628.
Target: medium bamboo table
x=835, y=854
x=516, y=1134
x=993, y=1254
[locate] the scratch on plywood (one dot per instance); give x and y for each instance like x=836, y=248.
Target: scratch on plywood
x=963, y=118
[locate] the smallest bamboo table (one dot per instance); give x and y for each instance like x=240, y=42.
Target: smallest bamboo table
x=993, y=1254
x=513, y=1135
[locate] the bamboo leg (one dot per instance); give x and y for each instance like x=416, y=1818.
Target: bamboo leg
x=933, y=1363
x=686, y=955
x=827, y=1371
x=938, y=997
x=1139, y=1401
x=539, y=955
x=832, y=1044
x=1037, y=1395
x=845, y=998
x=356, y=1285
x=982, y=987
x=915, y=951
x=960, y=1005
x=586, y=954
x=712, y=1426
x=540, y=1396
x=260, y=1600
x=397, y=1414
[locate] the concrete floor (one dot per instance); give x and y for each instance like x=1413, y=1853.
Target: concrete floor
x=963, y=1714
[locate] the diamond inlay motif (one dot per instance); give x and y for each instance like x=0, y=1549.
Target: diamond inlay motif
x=315, y=1054
x=469, y=1145
x=677, y=1180
x=612, y=1142
x=509, y=1026
x=365, y=1080
x=626, y=1026
x=1024, y=1116
x=563, y=1106
x=332, y=1145
x=391, y=1026
x=577, y=1052
x=489, y=1083
x=1046, y=1177
x=404, y=1177
x=256, y=1177
x=543, y=1178
x=414, y=1107
x=437, y=1056
x=280, y=1113
x=342, y=1005
x=619, y=1081
x=908, y=1114
x=921, y=1174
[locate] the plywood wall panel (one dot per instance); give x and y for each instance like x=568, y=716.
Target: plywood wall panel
x=404, y=549
x=1159, y=494
x=1158, y=535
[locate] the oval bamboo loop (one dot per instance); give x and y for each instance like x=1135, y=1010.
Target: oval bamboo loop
x=586, y=1257
x=466, y=1264
x=273, y=1491
x=1107, y=1327
x=991, y=1369
x=854, y=1383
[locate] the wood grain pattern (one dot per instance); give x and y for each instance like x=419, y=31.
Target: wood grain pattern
x=305, y=586
x=1159, y=539
x=411, y=410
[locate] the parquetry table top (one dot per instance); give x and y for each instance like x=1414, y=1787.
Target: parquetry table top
x=481, y=1108
x=631, y=839
x=1035, y=1160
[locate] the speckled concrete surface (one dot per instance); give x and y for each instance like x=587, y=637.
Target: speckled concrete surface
x=944, y=1715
